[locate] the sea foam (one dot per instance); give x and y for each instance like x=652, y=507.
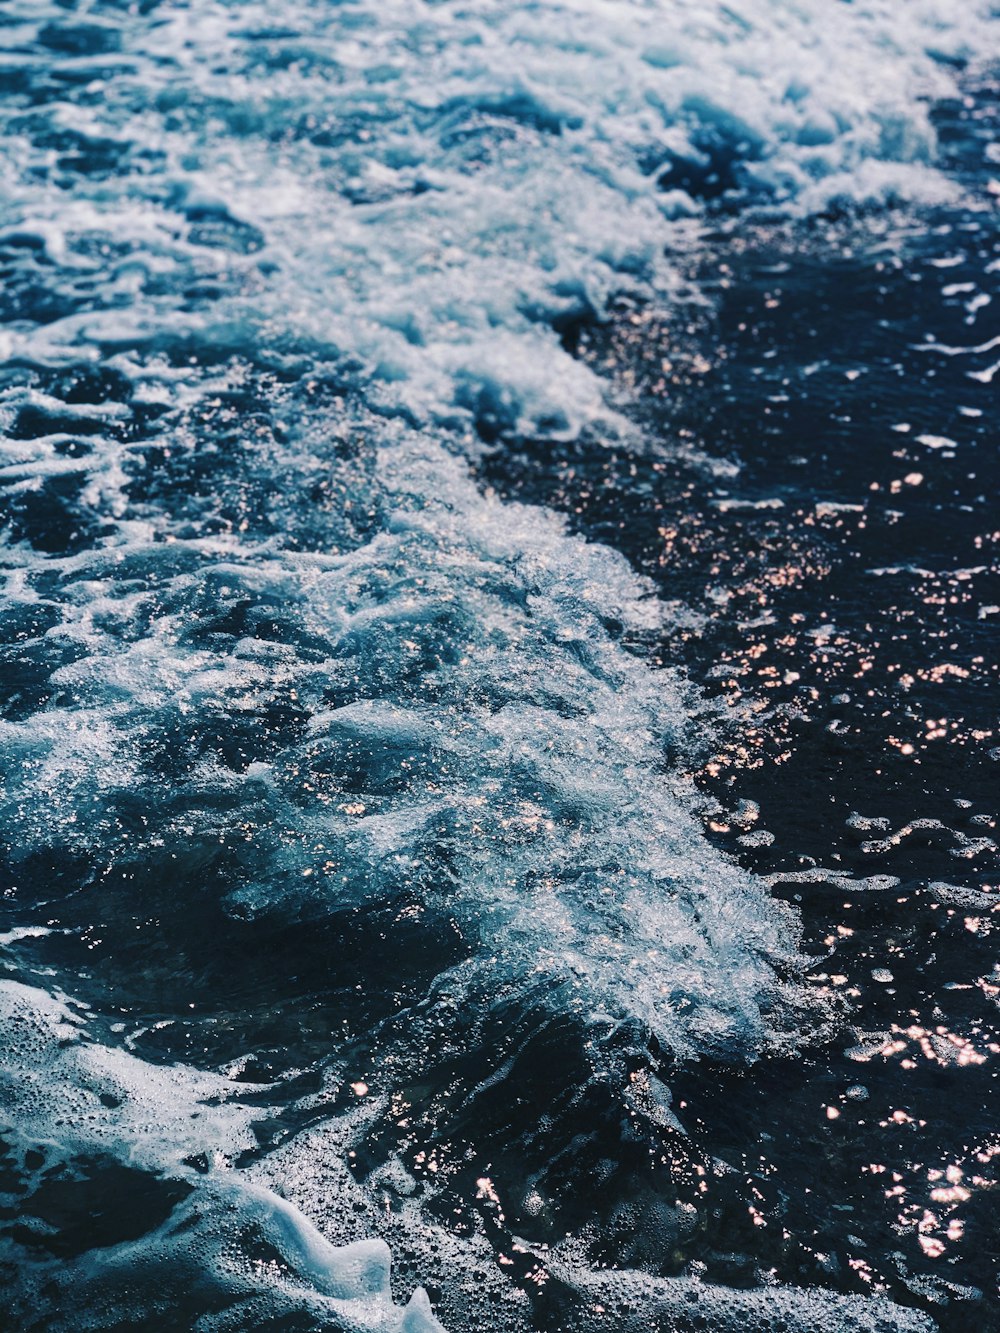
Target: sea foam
x=272, y=654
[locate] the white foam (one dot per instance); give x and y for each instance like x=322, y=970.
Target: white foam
x=72, y=1097
x=436, y=182
x=773, y=1309
x=59, y=1087
x=517, y=763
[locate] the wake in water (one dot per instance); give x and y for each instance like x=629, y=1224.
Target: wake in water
x=356, y=886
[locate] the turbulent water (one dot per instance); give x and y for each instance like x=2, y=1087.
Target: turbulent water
x=499, y=520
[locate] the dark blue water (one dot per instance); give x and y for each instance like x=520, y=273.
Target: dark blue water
x=499, y=650
x=855, y=650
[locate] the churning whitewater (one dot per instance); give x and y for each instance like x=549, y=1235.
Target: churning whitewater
x=334, y=788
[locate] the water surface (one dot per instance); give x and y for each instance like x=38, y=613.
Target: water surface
x=499, y=666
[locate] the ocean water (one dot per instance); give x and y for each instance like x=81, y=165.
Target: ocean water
x=499, y=652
